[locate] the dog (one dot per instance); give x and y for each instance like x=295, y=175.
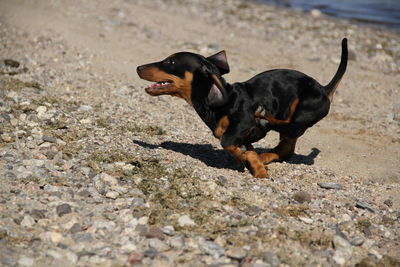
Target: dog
x=239, y=114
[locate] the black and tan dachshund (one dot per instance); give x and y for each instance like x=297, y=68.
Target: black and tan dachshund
x=239, y=114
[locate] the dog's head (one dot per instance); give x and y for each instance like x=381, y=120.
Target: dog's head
x=189, y=76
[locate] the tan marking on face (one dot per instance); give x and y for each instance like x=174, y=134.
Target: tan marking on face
x=222, y=126
x=180, y=87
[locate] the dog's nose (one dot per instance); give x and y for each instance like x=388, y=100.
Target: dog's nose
x=140, y=68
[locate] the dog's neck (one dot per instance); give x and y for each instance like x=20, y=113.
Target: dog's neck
x=211, y=115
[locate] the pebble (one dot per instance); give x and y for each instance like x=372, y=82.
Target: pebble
x=211, y=248
x=236, y=253
x=177, y=242
x=364, y=206
x=135, y=257
x=357, y=241
x=271, y=258
x=388, y=202
x=185, y=221
x=11, y=63
x=26, y=261
x=306, y=219
x=316, y=13
x=158, y=245
x=330, y=185
x=150, y=253
x=76, y=228
x=27, y=221
x=63, y=209
x=112, y=194
x=49, y=139
x=153, y=232
x=302, y=196
x=83, y=237
x=168, y=230
x=343, y=250
x=85, y=108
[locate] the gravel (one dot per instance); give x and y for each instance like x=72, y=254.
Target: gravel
x=95, y=172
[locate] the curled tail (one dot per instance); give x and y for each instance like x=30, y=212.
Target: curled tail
x=332, y=85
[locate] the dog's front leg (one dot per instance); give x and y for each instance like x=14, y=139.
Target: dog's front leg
x=250, y=158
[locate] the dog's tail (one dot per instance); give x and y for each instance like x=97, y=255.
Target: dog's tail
x=333, y=84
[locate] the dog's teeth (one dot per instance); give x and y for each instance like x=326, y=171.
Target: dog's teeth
x=263, y=123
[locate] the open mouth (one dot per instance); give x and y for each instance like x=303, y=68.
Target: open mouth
x=159, y=87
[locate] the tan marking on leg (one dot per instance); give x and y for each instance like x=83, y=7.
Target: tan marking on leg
x=285, y=149
x=222, y=125
x=273, y=120
x=257, y=168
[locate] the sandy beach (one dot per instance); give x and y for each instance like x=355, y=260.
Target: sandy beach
x=96, y=172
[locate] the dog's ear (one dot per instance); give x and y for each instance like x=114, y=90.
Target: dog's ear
x=217, y=95
x=220, y=61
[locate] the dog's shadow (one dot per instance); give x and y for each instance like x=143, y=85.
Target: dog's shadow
x=218, y=158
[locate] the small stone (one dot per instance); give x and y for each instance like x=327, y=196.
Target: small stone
x=253, y=210
x=137, y=202
x=271, y=258
x=302, y=197
x=306, y=219
x=55, y=237
x=111, y=180
x=357, y=241
x=11, y=63
x=185, y=220
x=129, y=247
x=135, y=257
x=153, y=232
x=316, y=13
x=63, y=209
x=343, y=250
x=49, y=139
x=222, y=180
x=83, y=237
x=76, y=228
x=27, y=221
x=112, y=194
x=26, y=261
x=177, y=242
x=150, y=253
x=330, y=185
x=143, y=220
x=6, y=138
x=38, y=214
x=168, y=230
x=364, y=206
x=158, y=245
x=41, y=110
x=211, y=248
x=236, y=253
x=85, y=108
x=388, y=202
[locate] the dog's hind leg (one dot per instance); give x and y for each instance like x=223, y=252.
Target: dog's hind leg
x=284, y=150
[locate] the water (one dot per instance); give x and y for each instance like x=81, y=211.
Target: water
x=379, y=12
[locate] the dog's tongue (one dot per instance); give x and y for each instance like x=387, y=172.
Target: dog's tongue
x=158, y=85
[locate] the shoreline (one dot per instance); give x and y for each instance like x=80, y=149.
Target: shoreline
x=380, y=25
